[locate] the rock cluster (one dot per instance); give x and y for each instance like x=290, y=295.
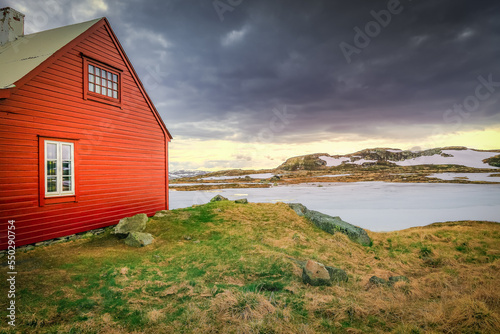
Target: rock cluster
x=131, y=228
x=219, y=198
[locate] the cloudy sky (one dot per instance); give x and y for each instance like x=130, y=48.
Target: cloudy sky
x=249, y=83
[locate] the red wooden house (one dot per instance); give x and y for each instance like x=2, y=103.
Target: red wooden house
x=81, y=143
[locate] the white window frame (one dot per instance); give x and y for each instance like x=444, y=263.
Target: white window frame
x=59, y=171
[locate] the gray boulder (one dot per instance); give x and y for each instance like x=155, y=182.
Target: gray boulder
x=135, y=223
x=317, y=274
x=138, y=239
x=331, y=224
x=218, y=198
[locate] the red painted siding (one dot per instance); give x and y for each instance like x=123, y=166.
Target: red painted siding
x=122, y=151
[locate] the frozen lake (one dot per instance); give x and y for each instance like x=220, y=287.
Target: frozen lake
x=469, y=176
x=376, y=206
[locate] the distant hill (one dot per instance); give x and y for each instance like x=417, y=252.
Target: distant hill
x=185, y=173
x=461, y=156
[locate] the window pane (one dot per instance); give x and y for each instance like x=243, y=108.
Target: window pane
x=110, y=84
x=104, y=91
x=104, y=82
x=66, y=166
x=66, y=185
x=91, y=87
x=66, y=152
x=98, y=89
x=109, y=75
x=110, y=93
x=51, y=167
x=98, y=81
x=51, y=184
x=91, y=78
x=51, y=151
x=115, y=86
x=97, y=71
x=103, y=74
x=91, y=69
x=115, y=94
x=115, y=78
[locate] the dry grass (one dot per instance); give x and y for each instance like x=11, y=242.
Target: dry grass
x=243, y=277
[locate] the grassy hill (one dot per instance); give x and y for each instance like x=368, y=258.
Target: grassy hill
x=235, y=268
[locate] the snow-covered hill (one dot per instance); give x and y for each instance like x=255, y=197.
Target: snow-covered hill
x=439, y=156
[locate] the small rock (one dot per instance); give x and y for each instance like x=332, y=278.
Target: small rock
x=241, y=201
x=124, y=271
x=138, y=239
x=337, y=275
x=135, y=223
x=218, y=198
x=196, y=241
x=187, y=237
x=374, y=280
x=101, y=230
x=394, y=279
x=160, y=214
x=275, y=178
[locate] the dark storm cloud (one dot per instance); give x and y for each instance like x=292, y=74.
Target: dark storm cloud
x=214, y=79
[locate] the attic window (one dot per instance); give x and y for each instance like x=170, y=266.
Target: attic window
x=102, y=82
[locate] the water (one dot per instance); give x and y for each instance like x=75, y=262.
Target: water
x=376, y=206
